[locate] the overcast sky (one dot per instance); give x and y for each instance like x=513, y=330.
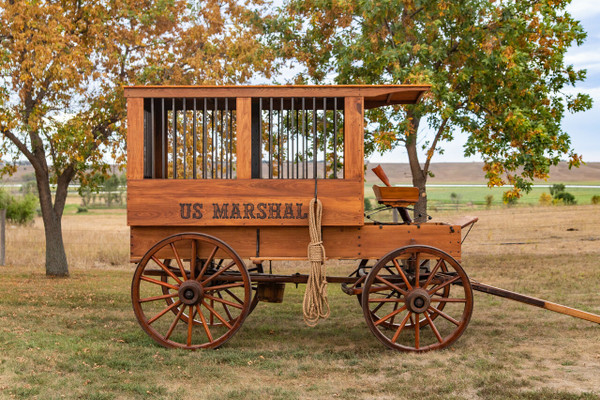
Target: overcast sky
x=584, y=128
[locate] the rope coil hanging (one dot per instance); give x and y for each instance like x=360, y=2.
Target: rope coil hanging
x=315, y=304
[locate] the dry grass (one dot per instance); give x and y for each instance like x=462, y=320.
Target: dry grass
x=77, y=337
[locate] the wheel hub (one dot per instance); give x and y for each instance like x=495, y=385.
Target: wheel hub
x=418, y=300
x=191, y=292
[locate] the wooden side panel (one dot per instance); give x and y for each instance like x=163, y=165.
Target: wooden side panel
x=366, y=242
x=244, y=137
x=353, y=138
x=135, y=138
x=241, y=202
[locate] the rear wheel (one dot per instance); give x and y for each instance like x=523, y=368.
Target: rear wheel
x=195, y=275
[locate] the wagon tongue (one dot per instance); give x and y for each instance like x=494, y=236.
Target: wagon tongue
x=535, y=302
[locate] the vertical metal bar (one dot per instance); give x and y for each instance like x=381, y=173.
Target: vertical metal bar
x=214, y=139
x=280, y=142
x=297, y=145
x=174, y=141
x=184, y=139
x=287, y=135
x=304, y=140
x=292, y=155
x=153, y=139
x=221, y=143
x=194, y=142
x=335, y=132
x=325, y=138
x=260, y=136
x=227, y=139
x=204, y=142
x=270, y=138
x=314, y=138
x=163, y=153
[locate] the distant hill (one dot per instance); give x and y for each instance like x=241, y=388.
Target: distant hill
x=473, y=173
x=444, y=173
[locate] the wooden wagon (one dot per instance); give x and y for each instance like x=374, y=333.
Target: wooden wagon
x=219, y=175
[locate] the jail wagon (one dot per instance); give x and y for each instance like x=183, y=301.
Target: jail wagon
x=222, y=180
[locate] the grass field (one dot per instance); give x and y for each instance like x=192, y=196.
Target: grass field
x=77, y=338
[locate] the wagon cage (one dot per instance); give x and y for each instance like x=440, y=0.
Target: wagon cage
x=222, y=179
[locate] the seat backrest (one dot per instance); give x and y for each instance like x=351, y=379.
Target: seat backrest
x=396, y=196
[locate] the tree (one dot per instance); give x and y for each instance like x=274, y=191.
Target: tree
x=63, y=65
x=496, y=68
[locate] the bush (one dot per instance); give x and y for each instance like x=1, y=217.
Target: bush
x=595, y=199
x=368, y=205
x=545, y=199
x=566, y=198
x=18, y=210
x=556, y=189
x=489, y=199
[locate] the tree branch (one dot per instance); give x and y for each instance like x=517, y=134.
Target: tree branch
x=62, y=186
x=431, y=150
x=20, y=145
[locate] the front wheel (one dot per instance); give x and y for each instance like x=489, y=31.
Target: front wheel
x=399, y=292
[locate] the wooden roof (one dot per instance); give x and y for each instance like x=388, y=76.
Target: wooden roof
x=374, y=95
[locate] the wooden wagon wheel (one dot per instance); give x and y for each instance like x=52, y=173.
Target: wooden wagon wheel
x=394, y=295
x=212, y=321
x=192, y=290
x=392, y=323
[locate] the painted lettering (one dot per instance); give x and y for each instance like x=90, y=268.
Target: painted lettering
x=235, y=211
x=274, y=210
x=299, y=215
x=220, y=212
x=249, y=211
x=185, y=210
x=262, y=211
x=197, y=211
x=289, y=211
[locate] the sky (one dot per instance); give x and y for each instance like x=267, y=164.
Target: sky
x=584, y=128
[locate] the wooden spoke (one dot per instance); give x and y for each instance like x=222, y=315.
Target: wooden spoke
x=219, y=272
x=417, y=330
x=154, y=298
x=190, y=323
x=390, y=315
x=448, y=300
x=174, y=323
x=404, y=278
x=391, y=285
x=437, y=288
x=223, y=301
x=234, y=296
x=402, y=325
x=443, y=315
x=204, y=324
x=417, y=274
x=382, y=302
x=224, y=305
x=433, y=328
x=216, y=314
x=432, y=274
x=166, y=269
x=179, y=262
x=388, y=300
x=164, y=311
x=221, y=287
x=207, y=263
x=156, y=282
x=193, y=259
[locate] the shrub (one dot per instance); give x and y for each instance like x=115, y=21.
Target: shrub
x=18, y=210
x=556, y=189
x=489, y=199
x=595, y=199
x=545, y=199
x=368, y=205
x=566, y=197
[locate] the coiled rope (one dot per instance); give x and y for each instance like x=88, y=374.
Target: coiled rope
x=315, y=304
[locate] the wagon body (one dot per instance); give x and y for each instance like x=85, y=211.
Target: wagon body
x=217, y=175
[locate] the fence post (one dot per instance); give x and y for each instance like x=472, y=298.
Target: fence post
x=2, y=236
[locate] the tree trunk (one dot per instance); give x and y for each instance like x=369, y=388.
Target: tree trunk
x=419, y=176
x=56, y=258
